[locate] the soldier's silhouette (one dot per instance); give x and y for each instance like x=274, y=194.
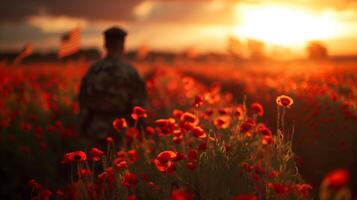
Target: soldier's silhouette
x=110, y=89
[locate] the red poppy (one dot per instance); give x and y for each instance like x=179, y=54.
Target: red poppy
x=264, y=130
x=267, y=140
x=303, y=189
x=121, y=164
x=149, y=131
x=192, y=154
x=77, y=156
x=85, y=172
x=284, y=101
x=191, y=165
x=130, y=179
x=198, y=101
x=163, y=160
x=198, y=132
x=177, y=113
x=239, y=112
x=165, y=126
x=133, y=155
x=189, y=117
x=180, y=195
x=337, y=178
x=96, y=153
x=245, y=197
x=222, y=122
x=278, y=188
x=119, y=124
x=132, y=197
x=109, y=139
x=273, y=174
x=138, y=112
x=258, y=109
x=247, y=125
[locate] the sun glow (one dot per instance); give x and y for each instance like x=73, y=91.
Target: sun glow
x=282, y=25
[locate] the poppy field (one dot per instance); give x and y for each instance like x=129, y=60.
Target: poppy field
x=211, y=130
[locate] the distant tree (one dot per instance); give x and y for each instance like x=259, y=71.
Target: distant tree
x=142, y=52
x=316, y=50
x=234, y=47
x=256, y=49
x=190, y=52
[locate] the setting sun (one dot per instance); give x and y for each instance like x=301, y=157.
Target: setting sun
x=283, y=25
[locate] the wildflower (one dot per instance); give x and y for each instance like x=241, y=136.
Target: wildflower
x=202, y=146
x=96, y=153
x=267, y=140
x=59, y=193
x=247, y=125
x=132, y=197
x=273, y=174
x=198, y=101
x=180, y=195
x=191, y=165
x=163, y=160
x=239, y=112
x=119, y=124
x=130, y=179
x=245, y=197
x=303, y=189
x=121, y=164
x=109, y=139
x=246, y=166
x=264, y=130
x=337, y=178
x=133, y=133
x=198, y=132
x=258, y=109
x=192, y=154
x=85, y=172
x=190, y=118
x=224, y=111
x=34, y=184
x=77, y=156
x=222, y=122
x=278, y=188
x=284, y=101
x=138, y=112
x=165, y=126
x=177, y=139
x=149, y=131
x=133, y=156
x=177, y=113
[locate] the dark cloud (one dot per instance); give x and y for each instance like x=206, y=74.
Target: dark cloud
x=18, y=10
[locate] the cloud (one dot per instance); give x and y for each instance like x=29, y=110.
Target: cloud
x=50, y=24
x=207, y=11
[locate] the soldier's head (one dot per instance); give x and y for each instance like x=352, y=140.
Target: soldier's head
x=114, y=40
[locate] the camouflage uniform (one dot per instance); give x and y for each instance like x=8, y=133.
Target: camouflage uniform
x=110, y=89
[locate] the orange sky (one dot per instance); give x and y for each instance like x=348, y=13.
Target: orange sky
x=202, y=24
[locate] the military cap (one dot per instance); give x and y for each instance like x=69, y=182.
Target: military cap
x=114, y=33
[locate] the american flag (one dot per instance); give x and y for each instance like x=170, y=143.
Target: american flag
x=70, y=43
x=25, y=52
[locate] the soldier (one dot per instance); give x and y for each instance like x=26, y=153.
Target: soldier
x=110, y=89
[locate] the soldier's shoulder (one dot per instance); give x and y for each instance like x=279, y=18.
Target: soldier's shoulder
x=100, y=65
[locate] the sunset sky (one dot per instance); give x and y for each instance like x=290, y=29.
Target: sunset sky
x=177, y=25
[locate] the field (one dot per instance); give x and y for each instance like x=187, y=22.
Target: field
x=214, y=131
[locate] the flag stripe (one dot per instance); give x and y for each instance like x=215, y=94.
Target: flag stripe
x=70, y=43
